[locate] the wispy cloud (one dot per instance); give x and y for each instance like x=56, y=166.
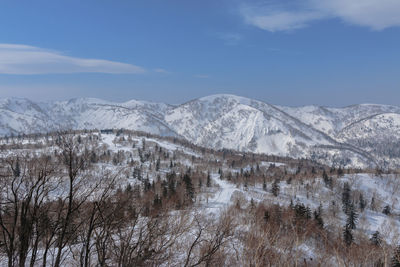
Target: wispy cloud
x=273, y=16
x=376, y=14
x=25, y=59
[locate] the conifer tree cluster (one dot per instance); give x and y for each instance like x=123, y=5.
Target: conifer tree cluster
x=275, y=188
x=352, y=216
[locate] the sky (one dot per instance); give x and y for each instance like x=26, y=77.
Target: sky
x=285, y=52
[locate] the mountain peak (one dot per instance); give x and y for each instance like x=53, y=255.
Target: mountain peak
x=219, y=97
x=87, y=100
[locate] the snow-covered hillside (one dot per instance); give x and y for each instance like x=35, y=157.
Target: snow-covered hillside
x=349, y=135
x=133, y=186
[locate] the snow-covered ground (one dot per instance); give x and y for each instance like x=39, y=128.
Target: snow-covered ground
x=384, y=190
x=212, y=201
x=222, y=198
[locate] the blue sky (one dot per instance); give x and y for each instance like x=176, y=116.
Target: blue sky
x=331, y=52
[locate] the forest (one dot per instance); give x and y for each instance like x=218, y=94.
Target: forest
x=124, y=198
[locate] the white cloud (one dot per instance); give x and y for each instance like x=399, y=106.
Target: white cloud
x=375, y=14
x=24, y=59
x=281, y=20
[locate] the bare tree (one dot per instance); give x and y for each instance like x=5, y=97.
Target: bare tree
x=75, y=162
x=25, y=185
x=93, y=219
x=209, y=239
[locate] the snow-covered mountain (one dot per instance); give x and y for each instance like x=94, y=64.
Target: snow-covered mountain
x=24, y=116
x=359, y=135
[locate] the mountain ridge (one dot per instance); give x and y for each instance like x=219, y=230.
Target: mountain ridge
x=332, y=135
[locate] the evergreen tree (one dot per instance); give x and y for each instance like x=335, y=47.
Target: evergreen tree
x=313, y=170
x=346, y=195
x=396, y=257
x=252, y=204
x=348, y=236
x=300, y=210
x=128, y=188
x=165, y=190
x=229, y=176
x=386, y=210
x=143, y=144
x=136, y=191
x=275, y=188
x=352, y=217
x=189, y=186
x=318, y=217
x=171, y=183
x=376, y=238
x=266, y=216
x=340, y=171
x=332, y=170
x=298, y=169
x=158, y=164
x=157, y=201
x=137, y=173
x=208, y=180
x=17, y=169
x=264, y=185
x=327, y=180
x=373, y=207
x=362, y=202
x=146, y=184
x=93, y=157
x=308, y=213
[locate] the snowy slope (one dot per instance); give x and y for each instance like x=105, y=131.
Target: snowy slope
x=333, y=120
x=224, y=121
x=23, y=116
x=386, y=125
x=227, y=121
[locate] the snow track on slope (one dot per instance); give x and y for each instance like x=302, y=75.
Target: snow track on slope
x=223, y=197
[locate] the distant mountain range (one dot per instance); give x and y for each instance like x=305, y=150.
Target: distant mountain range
x=366, y=135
